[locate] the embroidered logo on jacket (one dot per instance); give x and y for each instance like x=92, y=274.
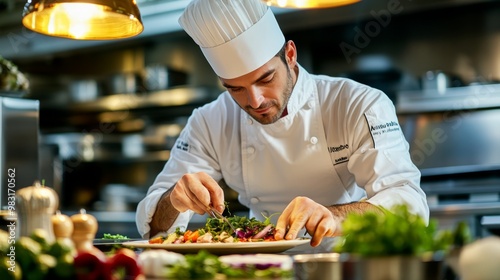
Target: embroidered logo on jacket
x=342, y=157
x=338, y=148
x=341, y=160
x=182, y=145
x=380, y=129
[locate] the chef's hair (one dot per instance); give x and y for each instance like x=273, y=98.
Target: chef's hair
x=281, y=53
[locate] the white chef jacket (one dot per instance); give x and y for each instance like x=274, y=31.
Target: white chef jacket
x=340, y=142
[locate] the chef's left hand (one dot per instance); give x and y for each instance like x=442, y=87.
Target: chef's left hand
x=304, y=212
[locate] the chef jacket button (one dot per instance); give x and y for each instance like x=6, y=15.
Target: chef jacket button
x=249, y=121
x=314, y=140
x=254, y=200
x=251, y=150
x=310, y=104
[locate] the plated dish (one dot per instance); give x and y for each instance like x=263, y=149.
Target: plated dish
x=222, y=236
x=223, y=248
x=222, y=230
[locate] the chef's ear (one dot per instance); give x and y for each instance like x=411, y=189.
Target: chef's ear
x=291, y=54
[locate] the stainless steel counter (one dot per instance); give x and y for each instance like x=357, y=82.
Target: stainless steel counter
x=466, y=209
x=473, y=214
x=452, y=99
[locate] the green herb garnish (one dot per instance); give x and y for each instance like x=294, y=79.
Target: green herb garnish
x=395, y=232
x=114, y=236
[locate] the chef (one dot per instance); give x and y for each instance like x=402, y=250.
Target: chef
x=311, y=148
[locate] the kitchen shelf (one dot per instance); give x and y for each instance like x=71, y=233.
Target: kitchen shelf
x=127, y=113
x=459, y=209
x=179, y=96
x=158, y=156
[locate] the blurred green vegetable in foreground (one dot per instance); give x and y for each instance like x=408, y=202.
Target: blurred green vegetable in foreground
x=396, y=232
x=205, y=265
x=35, y=258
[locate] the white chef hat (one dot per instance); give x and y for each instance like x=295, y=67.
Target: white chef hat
x=236, y=36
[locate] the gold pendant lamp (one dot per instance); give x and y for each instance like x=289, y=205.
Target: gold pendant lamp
x=84, y=19
x=309, y=4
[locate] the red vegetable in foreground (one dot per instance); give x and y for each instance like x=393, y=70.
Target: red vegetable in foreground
x=89, y=266
x=122, y=265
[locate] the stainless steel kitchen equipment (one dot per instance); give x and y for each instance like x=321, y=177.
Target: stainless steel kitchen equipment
x=106, y=169
x=427, y=267
x=454, y=140
x=127, y=83
x=83, y=90
x=91, y=162
x=439, y=81
x=160, y=77
x=491, y=224
x=337, y=266
x=19, y=145
x=320, y=266
x=105, y=174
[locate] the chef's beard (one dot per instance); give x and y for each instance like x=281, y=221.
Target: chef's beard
x=272, y=118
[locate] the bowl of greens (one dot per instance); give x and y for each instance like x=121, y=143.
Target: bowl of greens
x=396, y=244
x=110, y=242
x=383, y=245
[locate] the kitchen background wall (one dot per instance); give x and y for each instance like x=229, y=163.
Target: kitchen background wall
x=461, y=40
x=387, y=44
x=459, y=37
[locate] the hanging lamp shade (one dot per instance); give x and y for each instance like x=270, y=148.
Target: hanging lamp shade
x=83, y=19
x=307, y=4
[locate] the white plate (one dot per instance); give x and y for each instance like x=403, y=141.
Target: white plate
x=223, y=248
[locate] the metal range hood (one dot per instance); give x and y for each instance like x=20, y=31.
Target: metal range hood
x=160, y=18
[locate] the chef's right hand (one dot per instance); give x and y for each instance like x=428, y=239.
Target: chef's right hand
x=196, y=191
